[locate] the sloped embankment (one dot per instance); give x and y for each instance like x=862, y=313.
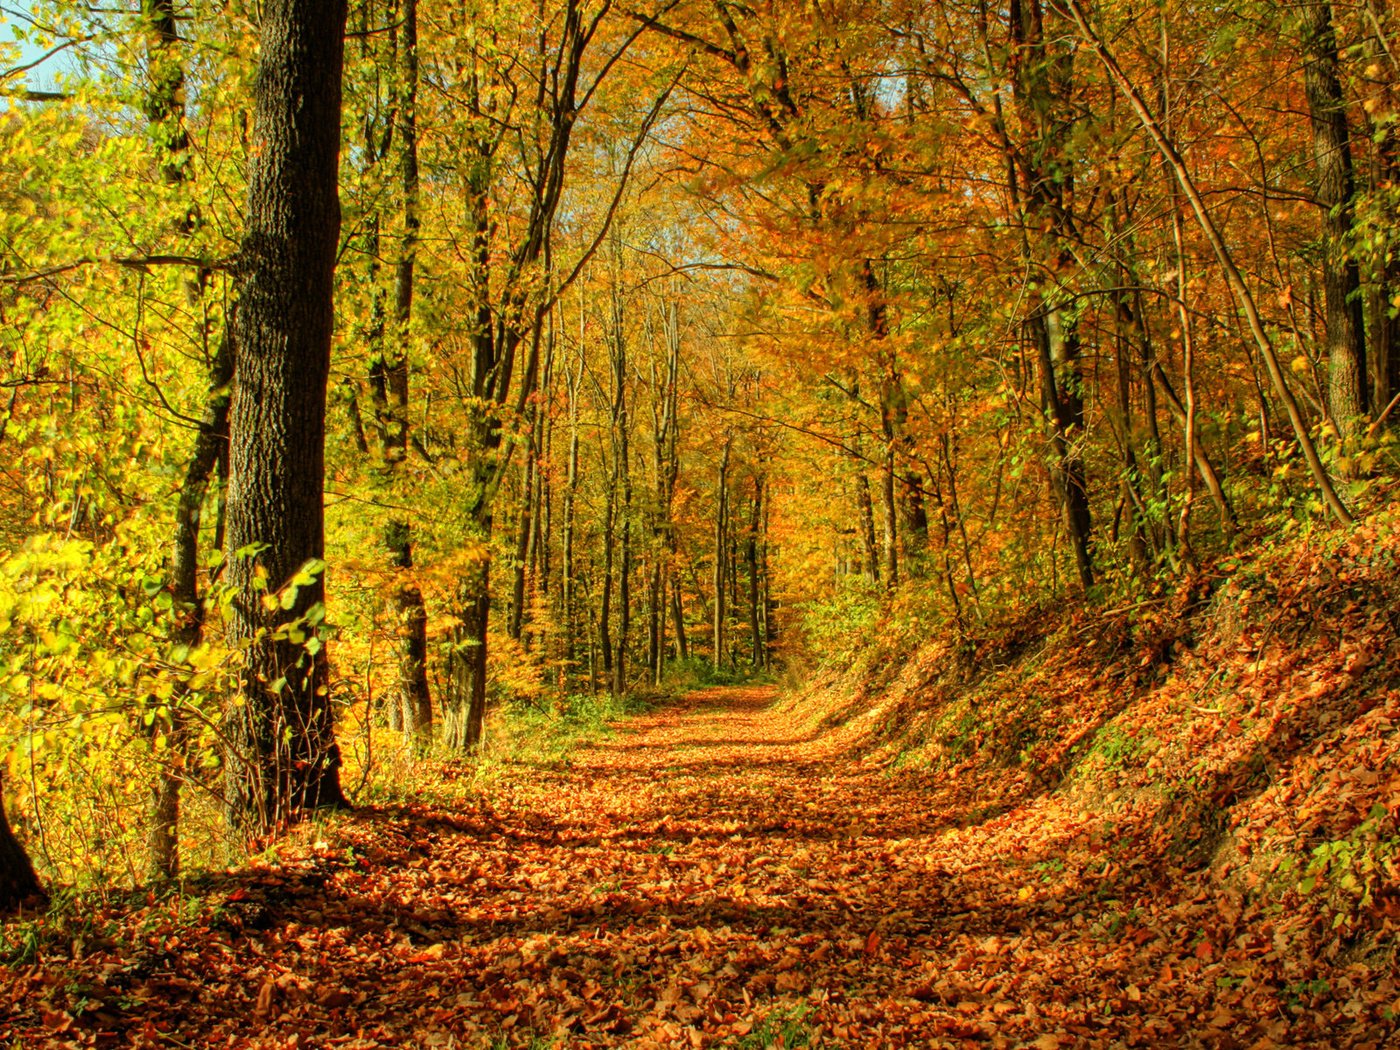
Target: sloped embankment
x=1212, y=776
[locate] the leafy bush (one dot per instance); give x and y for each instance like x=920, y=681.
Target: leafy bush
x=840, y=624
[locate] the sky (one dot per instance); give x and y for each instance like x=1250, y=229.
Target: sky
x=41, y=78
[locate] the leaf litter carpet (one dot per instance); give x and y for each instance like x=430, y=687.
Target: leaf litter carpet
x=709, y=876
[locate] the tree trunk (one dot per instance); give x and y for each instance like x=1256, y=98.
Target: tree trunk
x=869, y=550
x=609, y=559
x=411, y=696
x=1347, y=381
x=721, y=535
x=464, y=715
x=678, y=620
x=890, y=517
x=282, y=756
x=515, y=623
x=415, y=699
x=622, y=471
x=211, y=442
x=1039, y=77
x=18, y=883
x=569, y=582
x=166, y=111
x=758, y=643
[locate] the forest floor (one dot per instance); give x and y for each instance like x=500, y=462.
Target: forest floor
x=712, y=874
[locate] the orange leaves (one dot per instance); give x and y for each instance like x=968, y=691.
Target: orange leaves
x=726, y=872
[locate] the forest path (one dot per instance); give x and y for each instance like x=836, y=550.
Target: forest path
x=708, y=876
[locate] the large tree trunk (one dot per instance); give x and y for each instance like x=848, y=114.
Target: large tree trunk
x=1347, y=386
x=282, y=755
x=18, y=882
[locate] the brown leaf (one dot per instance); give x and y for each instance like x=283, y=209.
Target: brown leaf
x=263, y=1009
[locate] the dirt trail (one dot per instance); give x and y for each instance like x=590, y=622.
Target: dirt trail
x=705, y=877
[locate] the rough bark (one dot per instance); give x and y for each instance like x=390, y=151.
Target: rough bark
x=1347, y=382
x=282, y=756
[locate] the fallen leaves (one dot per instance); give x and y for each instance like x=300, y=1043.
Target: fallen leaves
x=717, y=876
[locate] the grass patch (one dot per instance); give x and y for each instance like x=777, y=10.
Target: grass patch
x=786, y=1028
x=546, y=733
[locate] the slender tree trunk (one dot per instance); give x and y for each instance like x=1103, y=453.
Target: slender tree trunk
x=569, y=581
x=465, y=715
x=1167, y=147
x=609, y=561
x=519, y=571
x=1039, y=77
x=890, y=518
x=721, y=553
x=211, y=442
x=678, y=620
x=623, y=473
x=537, y=550
x=758, y=643
x=166, y=111
x=656, y=618
x=412, y=697
x=870, y=551
x=414, y=704
x=282, y=755
x=624, y=608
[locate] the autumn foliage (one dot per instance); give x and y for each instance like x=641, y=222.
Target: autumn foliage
x=860, y=522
